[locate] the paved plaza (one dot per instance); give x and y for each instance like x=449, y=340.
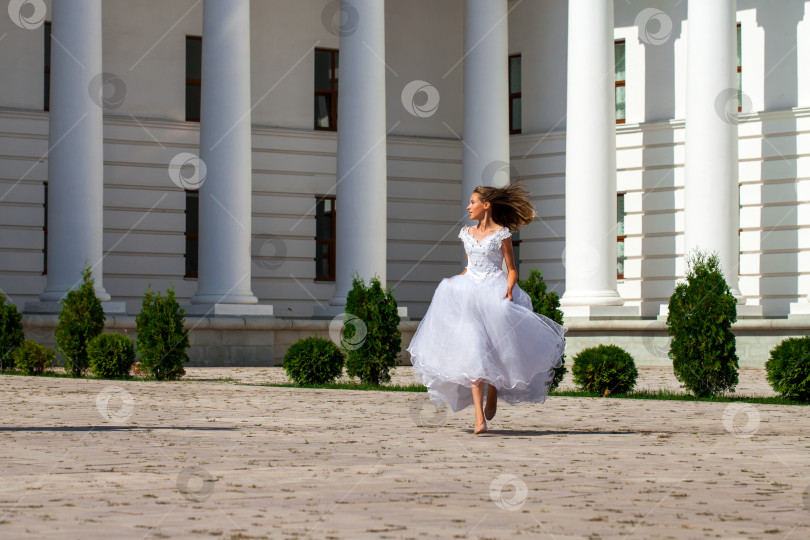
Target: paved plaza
x=216, y=456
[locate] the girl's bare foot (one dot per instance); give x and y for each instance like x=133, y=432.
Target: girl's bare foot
x=478, y=405
x=492, y=403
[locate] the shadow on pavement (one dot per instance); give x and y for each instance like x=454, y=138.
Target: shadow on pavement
x=538, y=433
x=111, y=428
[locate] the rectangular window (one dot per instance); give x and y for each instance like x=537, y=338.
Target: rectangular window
x=45, y=232
x=739, y=67
x=192, y=232
x=47, y=82
x=325, y=230
x=193, y=77
x=515, y=109
x=618, y=48
x=620, y=236
x=326, y=89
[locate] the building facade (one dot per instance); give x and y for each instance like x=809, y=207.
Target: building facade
x=256, y=154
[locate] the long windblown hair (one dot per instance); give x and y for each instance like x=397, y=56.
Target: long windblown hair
x=510, y=205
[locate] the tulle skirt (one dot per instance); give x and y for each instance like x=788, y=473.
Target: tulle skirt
x=473, y=332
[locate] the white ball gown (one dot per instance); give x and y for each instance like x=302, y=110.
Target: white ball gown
x=472, y=331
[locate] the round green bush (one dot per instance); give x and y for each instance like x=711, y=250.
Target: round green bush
x=80, y=320
x=788, y=368
x=11, y=332
x=31, y=358
x=111, y=355
x=371, y=333
x=606, y=369
x=701, y=311
x=162, y=340
x=313, y=360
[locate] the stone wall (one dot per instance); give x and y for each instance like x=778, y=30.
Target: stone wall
x=259, y=341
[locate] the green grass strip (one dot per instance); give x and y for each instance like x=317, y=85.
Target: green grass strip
x=90, y=376
x=348, y=386
x=666, y=394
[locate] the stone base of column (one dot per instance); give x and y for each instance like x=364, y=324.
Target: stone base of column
x=598, y=313
x=110, y=308
x=749, y=311
x=588, y=298
x=228, y=297
x=49, y=296
x=230, y=310
x=799, y=310
x=744, y=311
x=330, y=312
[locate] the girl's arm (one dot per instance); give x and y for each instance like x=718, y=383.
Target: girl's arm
x=468, y=262
x=509, y=257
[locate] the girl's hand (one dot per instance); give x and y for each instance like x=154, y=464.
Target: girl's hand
x=508, y=294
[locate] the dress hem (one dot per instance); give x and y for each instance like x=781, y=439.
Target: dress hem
x=462, y=379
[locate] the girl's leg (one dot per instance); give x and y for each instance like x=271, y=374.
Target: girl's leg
x=492, y=402
x=478, y=401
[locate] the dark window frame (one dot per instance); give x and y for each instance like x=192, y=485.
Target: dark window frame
x=330, y=242
x=193, y=82
x=189, y=272
x=739, y=67
x=621, y=237
x=514, y=95
x=46, y=105
x=45, y=231
x=331, y=95
x=621, y=83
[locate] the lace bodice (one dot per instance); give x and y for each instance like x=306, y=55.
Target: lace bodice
x=485, y=256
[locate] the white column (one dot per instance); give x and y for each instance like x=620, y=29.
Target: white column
x=485, y=158
x=225, y=148
x=76, y=155
x=711, y=197
x=590, y=160
x=361, y=151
